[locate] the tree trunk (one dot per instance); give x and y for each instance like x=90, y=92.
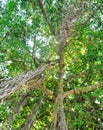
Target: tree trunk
x=60, y=123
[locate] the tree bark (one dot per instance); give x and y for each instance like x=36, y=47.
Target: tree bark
x=83, y=89
x=31, y=118
x=60, y=120
x=46, y=17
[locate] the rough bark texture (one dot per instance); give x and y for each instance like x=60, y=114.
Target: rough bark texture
x=10, y=86
x=31, y=118
x=66, y=30
x=83, y=89
x=60, y=123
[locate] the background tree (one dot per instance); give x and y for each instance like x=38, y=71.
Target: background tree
x=51, y=65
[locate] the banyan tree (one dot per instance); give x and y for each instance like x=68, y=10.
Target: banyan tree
x=51, y=65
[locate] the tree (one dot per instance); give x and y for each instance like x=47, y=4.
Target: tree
x=51, y=65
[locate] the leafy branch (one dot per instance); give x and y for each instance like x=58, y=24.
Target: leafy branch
x=83, y=89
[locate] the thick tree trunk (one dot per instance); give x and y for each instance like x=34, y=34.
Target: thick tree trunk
x=60, y=122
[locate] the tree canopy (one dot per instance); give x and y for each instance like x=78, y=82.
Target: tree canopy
x=51, y=65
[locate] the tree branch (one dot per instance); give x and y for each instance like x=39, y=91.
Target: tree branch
x=71, y=16
x=34, y=53
x=83, y=89
x=46, y=91
x=31, y=118
x=45, y=16
x=27, y=80
x=10, y=86
x=24, y=99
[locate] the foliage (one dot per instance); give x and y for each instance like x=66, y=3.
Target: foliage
x=26, y=42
